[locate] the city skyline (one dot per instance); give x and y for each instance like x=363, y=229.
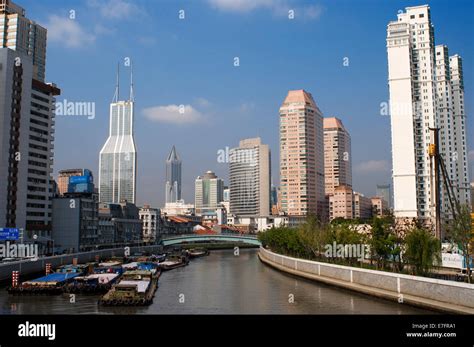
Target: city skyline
x=208, y=109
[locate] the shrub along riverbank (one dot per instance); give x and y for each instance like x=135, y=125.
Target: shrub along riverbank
x=378, y=244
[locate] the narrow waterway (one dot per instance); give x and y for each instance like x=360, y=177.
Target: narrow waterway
x=225, y=284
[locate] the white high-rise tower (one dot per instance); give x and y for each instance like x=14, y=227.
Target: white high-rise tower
x=118, y=157
x=421, y=83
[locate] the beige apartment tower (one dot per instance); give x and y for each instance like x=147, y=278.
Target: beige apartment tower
x=337, y=155
x=23, y=35
x=301, y=155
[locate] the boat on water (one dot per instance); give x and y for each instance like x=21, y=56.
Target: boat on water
x=140, y=265
x=135, y=288
x=174, y=261
x=198, y=252
x=158, y=257
x=51, y=284
x=100, y=281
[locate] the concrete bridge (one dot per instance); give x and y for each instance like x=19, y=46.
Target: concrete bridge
x=178, y=239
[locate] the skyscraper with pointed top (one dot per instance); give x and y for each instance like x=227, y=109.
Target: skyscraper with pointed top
x=118, y=157
x=173, y=176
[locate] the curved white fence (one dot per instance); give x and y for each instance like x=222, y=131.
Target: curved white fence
x=456, y=293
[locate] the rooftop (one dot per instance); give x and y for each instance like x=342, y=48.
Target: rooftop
x=299, y=96
x=333, y=123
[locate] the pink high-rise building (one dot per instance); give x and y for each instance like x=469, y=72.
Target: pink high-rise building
x=301, y=155
x=337, y=155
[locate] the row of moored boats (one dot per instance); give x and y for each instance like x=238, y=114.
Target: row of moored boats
x=130, y=281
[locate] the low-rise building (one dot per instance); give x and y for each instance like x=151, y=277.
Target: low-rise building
x=151, y=221
x=362, y=206
x=341, y=203
x=179, y=224
x=127, y=226
x=259, y=224
x=379, y=206
x=178, y=208
x=75, y=222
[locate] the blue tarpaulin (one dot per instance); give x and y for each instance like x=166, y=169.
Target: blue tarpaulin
x=56, y=277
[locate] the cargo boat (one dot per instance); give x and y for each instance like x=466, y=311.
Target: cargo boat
x=135, y=288
x=173, y=262
x=197, y=252
x=97, y=283
x=51, y=284
x=140, y=265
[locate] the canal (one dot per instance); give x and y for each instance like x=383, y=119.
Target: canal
x=221, y=283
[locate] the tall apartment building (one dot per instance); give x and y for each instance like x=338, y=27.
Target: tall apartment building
x=208, y=193
x=421, y=97
x=301, y=155
x=118, y=156
x=173, y=177
x=249, y=178
x=23, y=35
x=337, y=155
x=26, y=129
x=459, y=158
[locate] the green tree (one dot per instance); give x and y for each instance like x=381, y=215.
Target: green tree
x=313, y=235
x=423, y=250
x=384, y=244
x=346, y=234
x=283, y=240
x=461, y=232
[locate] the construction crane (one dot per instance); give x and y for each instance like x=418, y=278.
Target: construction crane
x=440, y=167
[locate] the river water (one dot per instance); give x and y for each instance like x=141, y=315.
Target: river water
x=225, y=284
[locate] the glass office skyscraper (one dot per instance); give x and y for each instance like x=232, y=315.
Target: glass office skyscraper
x=118, y=157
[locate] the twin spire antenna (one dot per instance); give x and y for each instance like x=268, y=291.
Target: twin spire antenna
x=116, y=97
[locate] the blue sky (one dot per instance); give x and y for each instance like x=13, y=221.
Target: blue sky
x=190, y=62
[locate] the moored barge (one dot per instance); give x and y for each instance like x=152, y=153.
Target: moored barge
x=135, y=288
x=50, y=284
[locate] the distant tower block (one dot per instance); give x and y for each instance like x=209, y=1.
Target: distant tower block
x=173, y=176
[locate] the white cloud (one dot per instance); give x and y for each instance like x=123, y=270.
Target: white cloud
x=278, y=7
x=242, y=5
x=116, y=9
x=174, y=114
x=68, y=32
x=373, y=166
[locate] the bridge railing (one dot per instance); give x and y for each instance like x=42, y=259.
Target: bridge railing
x=175, y=236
